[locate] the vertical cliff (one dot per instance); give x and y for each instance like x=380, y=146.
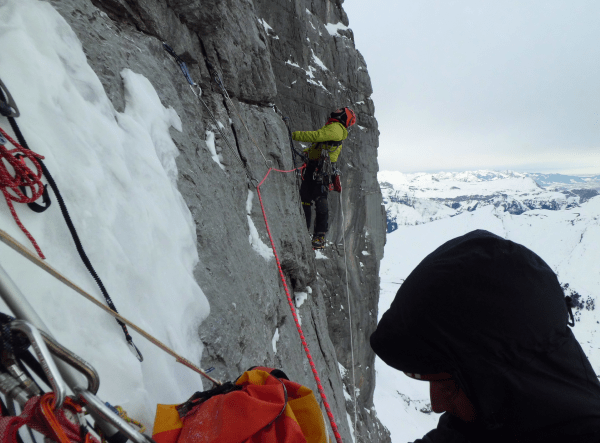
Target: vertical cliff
x=297, y=57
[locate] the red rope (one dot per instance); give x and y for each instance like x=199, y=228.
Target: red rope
x=23, y=176
x=334, y=427
x=39, y=414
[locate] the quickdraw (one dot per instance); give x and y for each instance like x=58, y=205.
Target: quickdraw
x=192, y=84
x=295, y=152
x=217, y=78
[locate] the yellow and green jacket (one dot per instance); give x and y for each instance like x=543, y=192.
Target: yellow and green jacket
x=329, y=137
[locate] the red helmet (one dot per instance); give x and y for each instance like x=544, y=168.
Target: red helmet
x=345, y=116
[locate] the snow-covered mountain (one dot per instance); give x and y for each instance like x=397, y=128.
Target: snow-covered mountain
x=560, y=181
x=412, y=199
x=561, y=227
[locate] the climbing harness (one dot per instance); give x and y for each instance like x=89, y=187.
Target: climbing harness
x=68, y=221
x=325, y=171
x=334, y=427
x=192, y=84
x=9, y=241
x=217, y=78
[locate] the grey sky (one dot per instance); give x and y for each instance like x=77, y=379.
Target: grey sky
x=473, y=84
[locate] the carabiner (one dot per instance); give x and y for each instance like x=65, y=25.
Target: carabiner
x=39, y=346
x=73, y=360
x=8, y=107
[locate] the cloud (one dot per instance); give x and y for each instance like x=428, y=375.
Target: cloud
x=477, y=84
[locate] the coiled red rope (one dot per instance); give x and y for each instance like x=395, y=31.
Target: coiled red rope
x=23, y=177
x=334, y=427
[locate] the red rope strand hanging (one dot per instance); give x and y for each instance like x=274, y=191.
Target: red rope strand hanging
x=334, y=427
x=23, y=176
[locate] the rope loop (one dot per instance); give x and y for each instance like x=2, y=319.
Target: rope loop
x=22, y=178
x=123, y=414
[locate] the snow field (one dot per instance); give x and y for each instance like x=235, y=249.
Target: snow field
x=567, y=240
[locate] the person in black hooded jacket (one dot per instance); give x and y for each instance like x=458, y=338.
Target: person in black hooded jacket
x=485, y=321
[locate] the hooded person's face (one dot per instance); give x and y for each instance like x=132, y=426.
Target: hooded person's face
x=447, y=396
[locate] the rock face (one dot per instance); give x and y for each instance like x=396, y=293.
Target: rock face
x=296, y=57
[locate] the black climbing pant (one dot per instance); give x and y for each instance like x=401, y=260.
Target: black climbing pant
x=314, y=188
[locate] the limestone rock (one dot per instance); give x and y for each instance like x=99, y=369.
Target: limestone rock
x=299, y=58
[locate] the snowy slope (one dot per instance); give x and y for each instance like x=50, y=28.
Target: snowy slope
x=566, y=239
x=117, y=174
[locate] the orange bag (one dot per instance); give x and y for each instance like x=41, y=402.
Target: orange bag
x=260, y=407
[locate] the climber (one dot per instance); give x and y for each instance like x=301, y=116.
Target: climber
x=485, y=321
x=321, y=158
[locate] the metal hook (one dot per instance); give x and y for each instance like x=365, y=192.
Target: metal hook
x=134, y=350
x=75, y=361
x=39, y=346
x=8, y=107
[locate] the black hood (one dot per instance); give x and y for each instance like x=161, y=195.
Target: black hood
x=492, y=313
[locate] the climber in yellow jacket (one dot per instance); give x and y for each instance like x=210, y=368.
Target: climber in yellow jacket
x=324, y=151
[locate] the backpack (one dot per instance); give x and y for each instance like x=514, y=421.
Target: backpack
x=263, y=405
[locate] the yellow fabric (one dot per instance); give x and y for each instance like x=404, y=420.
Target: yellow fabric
x=167, y=419
x=304, y=409
x=329, y=137
x=254, y=377
x=308, y=415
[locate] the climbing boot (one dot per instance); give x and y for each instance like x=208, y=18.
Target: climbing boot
x=318, y=240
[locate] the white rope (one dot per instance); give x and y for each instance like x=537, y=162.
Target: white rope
x=349, y=316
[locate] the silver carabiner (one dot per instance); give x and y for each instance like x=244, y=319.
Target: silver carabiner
x=59, y=387
x=10, y=106
x=73, y=360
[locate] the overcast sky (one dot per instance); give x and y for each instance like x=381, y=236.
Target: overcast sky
x=474, y=84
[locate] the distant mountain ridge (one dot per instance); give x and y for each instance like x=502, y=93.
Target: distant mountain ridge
x=412, y=199
x=565, y=181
